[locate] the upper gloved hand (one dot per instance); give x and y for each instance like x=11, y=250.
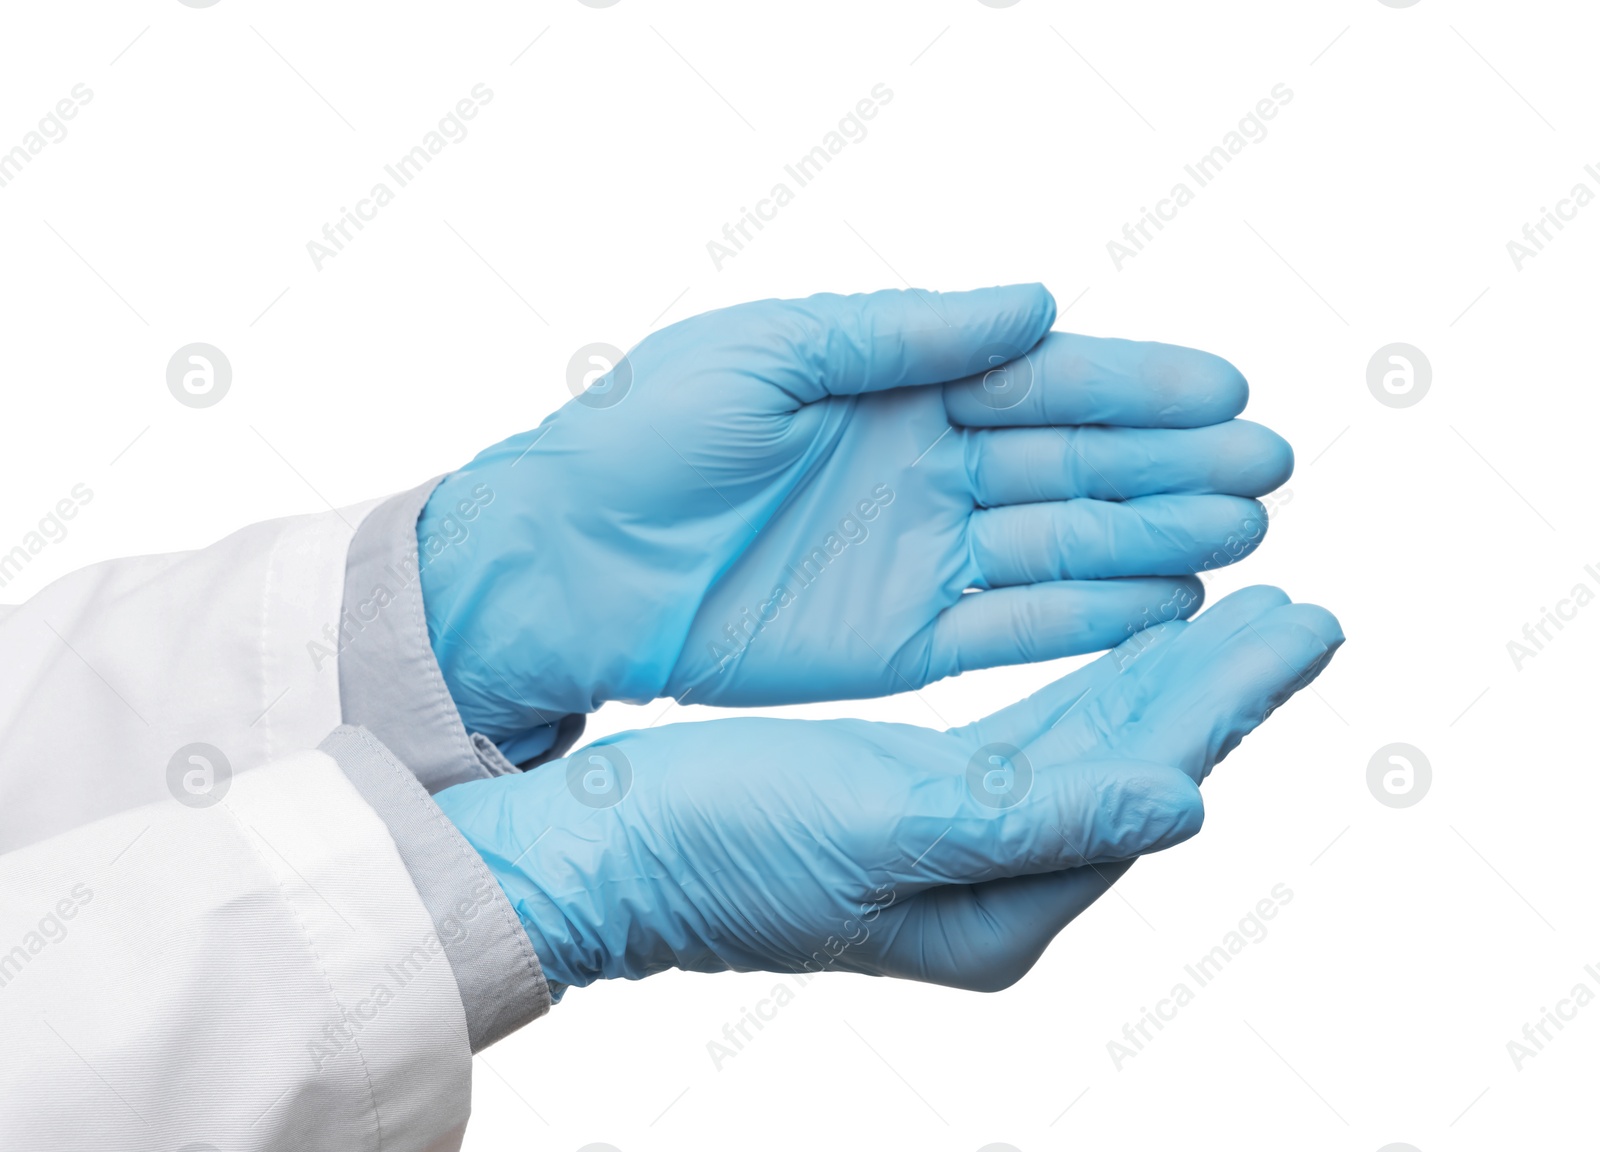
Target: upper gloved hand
x=951, y=857
x=778, y=502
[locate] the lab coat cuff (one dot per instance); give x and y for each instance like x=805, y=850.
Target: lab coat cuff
x=497, y=972
x=389, y=680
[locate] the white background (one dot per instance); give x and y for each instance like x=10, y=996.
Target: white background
x=1018, y=142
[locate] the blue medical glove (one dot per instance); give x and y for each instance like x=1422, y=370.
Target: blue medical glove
x=779, y=502
x=952, y=857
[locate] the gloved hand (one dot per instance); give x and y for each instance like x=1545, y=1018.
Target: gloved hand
x=779, y=503
x=951, y=857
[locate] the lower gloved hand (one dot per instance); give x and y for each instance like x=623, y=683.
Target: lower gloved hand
x=951, y=857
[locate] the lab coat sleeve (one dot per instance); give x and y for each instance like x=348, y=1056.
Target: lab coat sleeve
x=112, y=677
x=411, y=742
x=497, y=972
x=133, y=694
x=389, y=680
x=255, y=970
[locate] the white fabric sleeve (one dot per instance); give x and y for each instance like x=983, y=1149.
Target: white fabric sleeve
x=253, y=972
x=108, y=673
x=169, y=679
x=497, y=972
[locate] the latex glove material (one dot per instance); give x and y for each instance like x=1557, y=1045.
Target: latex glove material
x=783, y=504
x=951, y=857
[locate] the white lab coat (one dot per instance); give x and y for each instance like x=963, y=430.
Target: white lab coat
x=259, y=973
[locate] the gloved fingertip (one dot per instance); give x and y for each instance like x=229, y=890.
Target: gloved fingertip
x=1314, y=618
x=1255, y=524
x=1195, y=598
x=1221, y=381
x=1317, y=665
x=1257, y=459
x=1185, y=823
x=1329, y=628
x=1155, y=805
x=1047, y=300
x=1040, y=306
x=1178, y=811
x=1032, y=289
x=1028, y=304
x=1282, y=465
x=1237, y=609
x=1262, y=592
